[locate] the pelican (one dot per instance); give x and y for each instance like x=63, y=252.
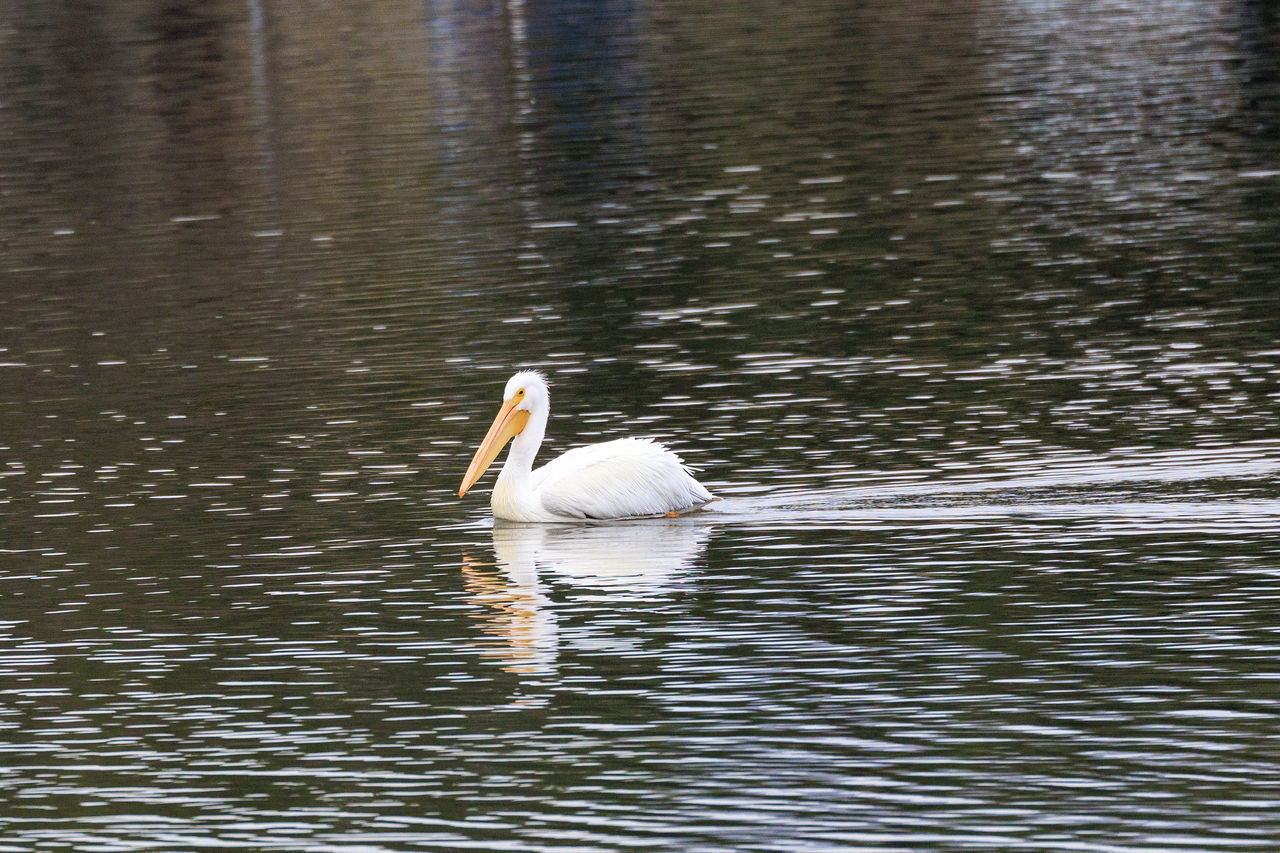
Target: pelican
x=625, y=478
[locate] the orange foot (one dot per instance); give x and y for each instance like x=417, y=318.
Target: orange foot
x=673, y=514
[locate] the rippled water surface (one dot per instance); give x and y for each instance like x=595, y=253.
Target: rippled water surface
x=968, y=312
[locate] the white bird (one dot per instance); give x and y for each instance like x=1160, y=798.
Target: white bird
x=625, y=478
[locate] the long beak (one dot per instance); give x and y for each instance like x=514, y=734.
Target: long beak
x=506, y=426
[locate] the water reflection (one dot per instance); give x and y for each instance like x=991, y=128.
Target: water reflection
x=516, y=612
x=612, y=565
x=968, y=310
x=1114, y=144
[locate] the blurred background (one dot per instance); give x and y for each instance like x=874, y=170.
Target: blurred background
x=967, y=310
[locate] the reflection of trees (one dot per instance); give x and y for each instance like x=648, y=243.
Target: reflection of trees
x=591, y=166
x=1260, y=117
x=1111, y=129
x=191, y=72
x=65, y=94
x=543, y=113
x=1260, y=43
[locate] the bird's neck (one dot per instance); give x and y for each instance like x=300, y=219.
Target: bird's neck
x=524, y=447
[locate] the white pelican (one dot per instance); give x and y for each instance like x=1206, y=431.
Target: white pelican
x=625, y=478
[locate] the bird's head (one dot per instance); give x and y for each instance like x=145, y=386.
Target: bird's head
x=526, y=392
x=529, y=390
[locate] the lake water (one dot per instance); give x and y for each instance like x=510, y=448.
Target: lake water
x=968, y=312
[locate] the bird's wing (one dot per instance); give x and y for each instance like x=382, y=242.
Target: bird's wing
x=625, y=478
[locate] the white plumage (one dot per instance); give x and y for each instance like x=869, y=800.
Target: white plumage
x=625, y=478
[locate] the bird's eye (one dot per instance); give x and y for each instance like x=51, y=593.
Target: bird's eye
x=520, y=393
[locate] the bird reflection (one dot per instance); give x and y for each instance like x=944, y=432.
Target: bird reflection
x=619, y=562
x=515, y=613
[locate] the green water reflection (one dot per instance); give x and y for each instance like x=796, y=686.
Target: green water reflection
x=969, y=311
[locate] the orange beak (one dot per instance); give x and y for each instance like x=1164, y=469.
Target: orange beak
x=506, y=426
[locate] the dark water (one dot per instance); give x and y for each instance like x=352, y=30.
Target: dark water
x=968, y=311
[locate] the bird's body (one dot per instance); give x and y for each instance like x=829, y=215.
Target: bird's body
x=625, y=478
